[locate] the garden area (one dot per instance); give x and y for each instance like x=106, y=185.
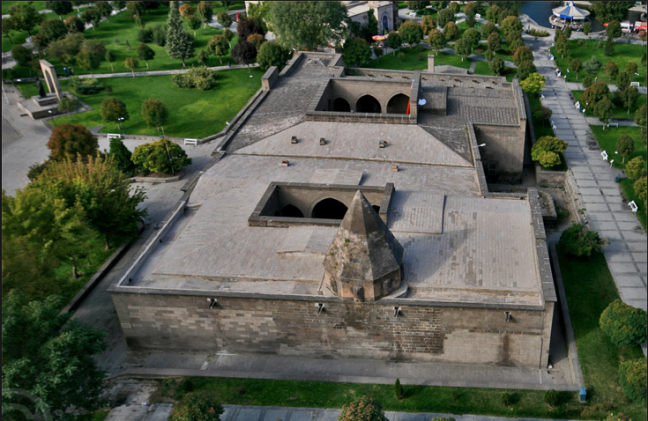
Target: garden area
x=212, y=108
x=619, y=112
x=585, y=49
x=415, y=58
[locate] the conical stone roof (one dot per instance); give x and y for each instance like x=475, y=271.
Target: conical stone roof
x=364, y=260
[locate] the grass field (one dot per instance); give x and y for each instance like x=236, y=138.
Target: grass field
x=627, y=186
x=481, y=68
x=607, y=140
x=38, y=5
x=412, y=62
x=193, y=113
x=619, y=110
x=590, y=288
x=623, y=53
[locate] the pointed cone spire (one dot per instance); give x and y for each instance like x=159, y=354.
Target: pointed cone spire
x=364, y=260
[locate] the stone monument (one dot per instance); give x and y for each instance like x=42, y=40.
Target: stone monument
x=49, y=73
x=44, y=104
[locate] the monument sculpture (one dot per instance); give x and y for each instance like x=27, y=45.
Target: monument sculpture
x=44, y=104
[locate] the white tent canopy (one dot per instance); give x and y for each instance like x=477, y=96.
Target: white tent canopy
x=570, y=12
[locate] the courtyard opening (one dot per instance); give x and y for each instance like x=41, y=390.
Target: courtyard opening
x=368, y=104
x=329, y=209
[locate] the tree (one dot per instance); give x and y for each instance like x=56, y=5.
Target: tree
x=428, y=24
x=613, y=30
x=110, y=205
x=635, y=168
x=444, y=16
x=410, y=32
x=394, y=41
x=202, y=58
x=50, y=356
x=229, y=36
x=256, y=40
x=487, y=29
x=515, y=41
x=451, y=31
x=588, y=81
x=608, y=11
x=438, y=5
x=567, y=31
x=272, y=54
x=112, y=109
x=492, y=13
x=137, y=10
x=608, y=49
x=587, y=28
x=497, y=66
x=73, y=24
x=470, y=14
x=146, y=53
x=179, y=43
x=91, y=15
x=52, y=29
x=611, y=69
x=186, y=10
x=493, y=42
x=417, y=5
x=592, y=65
x=224, y=19
x=193, y=22
x=525, y=69
x=579, y=242
x=159, y=35
x=249, y=26
x=625, y=146
x=8, y=25
x=22, y=55
x=67, y=48
x=201, y=406
x=632, y=378
x=244, y=53
x=454, y=6
x=542, y=114
x=472, y=36
x=576, y=66
x=489, y=55
x=59, y=7
x=547, y=150
x=640, y=188
x=306, y=24
x=104, y=8
x=110, y=58
x=364, y=408
x=562, y=46
x=219, y=46
x=88, y=60
x=69, y=140
x=522, y=54
x=623, y=81
x=604, y=109
x=596, y=92
x=204, y=11
x=118, y=5
x=120, y=155
x=629, y=96
x=640, y=119
x=533, y=84
x=24, y=16
x=399, y=391
x=463, y=48
x=356, y=52
x=436, y=40
x=197, y=77
x=154, y=113
x=511, y=24
x=624, y=324
x=631, y=68
x=131, y=64
x=162, y=156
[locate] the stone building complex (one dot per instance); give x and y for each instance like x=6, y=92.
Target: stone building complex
x=334, y=223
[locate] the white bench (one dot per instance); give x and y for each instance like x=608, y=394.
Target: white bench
x=111, y=135
x=633, y=206
x=637, y=84
x=604, y=155
x=191, y=142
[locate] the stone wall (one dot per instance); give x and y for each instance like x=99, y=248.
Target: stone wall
x=549, y=178
x=269, y=78
x=275, y=325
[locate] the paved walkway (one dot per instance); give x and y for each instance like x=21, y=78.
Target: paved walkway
x=606, y=209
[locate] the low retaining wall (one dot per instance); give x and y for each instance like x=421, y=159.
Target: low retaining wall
x=549, y=178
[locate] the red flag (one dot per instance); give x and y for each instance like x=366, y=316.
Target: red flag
x=237, y=17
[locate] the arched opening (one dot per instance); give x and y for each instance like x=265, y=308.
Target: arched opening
x=329, y=209
x=376, y=208
x=368, y=104
x=341, y=105
x=398, y=104
x=385, y=22
x=291, y=211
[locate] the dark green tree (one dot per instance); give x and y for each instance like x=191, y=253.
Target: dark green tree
x=588, y=81
x=155, y=113
x=436, y=39
x=494, y=43
x=224, y=19
x=596, y=92
x=625, y=146
x=562, y=46
x=640, y=119
x=162, y=156
x=510, y=24
x=608, y=49
x=525, y=69
x=587, y=28
x=487, y=29
x=547, y=150
x=611, y=69
x=428, y=24
x=219, y=46
x=91, y=15
x=623, y=81
x=444, y=16
x=307, y=24
x=205, y=12
x=22, y=55
x=69, y=140
x=179, y=43
x=146, y=53
x=112, y=109
x=472, y=36
x=356, y=52
x=52, y=29
x=59, y=7
x=24, y=16
x=579, y=242
x=410, y=32
x=629, y=97
x=74, y=24
x=624, y=324
x=88, y=60
x=522, y=54
x=110, y=58
x=120, y=155
x=137, y=10
x=104, y=8
x=202, y=58
x=635, y=168
x=632, y=377
x=50, y=356
x=394, y=41
x=604, y=109
x=399, y=391
x=607, y=11
x=244, y=53
x=576, y=66
x=451, y=31
x=8, y=26
x=463, y=48
x=272, y=54
x=613, y=30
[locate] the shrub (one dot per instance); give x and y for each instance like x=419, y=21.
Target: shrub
x=537, y=33
x=632, y=377
x=70, y=140
x=399, y=391
x=635, y=168
x=547, y=151
x=159, y=35
x=120, y=155
x=542, y=114
x=197, y=406
x=198, y=77
x=36, y=170
x=595, y=93
x=578, y=241
x=86, y=85
x=525, y=69
x=145, y=35
x=400, y=57
x=640, y=188
x=588, y=81
x=551, y=397
x=506, y=399
x=624, y=324
x=22, y=55
x=364, y=408
x=162, y=156
x=592, y=65
x=67, y=104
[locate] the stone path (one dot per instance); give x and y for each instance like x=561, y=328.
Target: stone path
x=606, y=209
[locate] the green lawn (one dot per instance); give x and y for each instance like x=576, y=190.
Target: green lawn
x=38, y=5
x=619, y=110
x=623, y=53
x=193, y=113
x=481, y=68
x=412, y=62
x=627, y=186
x=607, y=140
x=590, y=288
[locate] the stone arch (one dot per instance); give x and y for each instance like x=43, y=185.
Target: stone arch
x=341, y=105
x=291, y=211
x=385, y=24
x=329, y=208
x=398, y=104
x=368, y=104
